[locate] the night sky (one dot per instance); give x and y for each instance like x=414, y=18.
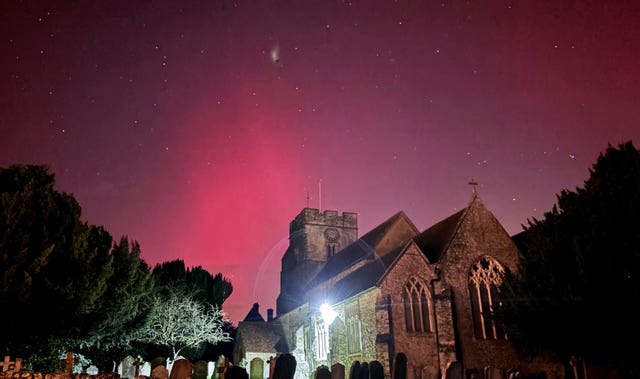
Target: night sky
x=199, y=127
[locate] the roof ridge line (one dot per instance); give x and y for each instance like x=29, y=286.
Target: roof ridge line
x=455, y=232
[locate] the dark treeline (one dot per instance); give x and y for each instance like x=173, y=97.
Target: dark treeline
x=577, y=292
x=67, y=285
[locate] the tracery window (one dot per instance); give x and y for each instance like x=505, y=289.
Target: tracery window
x=322, y=340
x=354, y=329
x=484, y=279
x=418, y=306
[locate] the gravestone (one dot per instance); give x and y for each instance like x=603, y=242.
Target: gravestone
x=158, y=361
x=256, y=368
x=92, y=370
x=69, y=361
x=181, y=369
x=376, y=370
x=200, y=370
x=169, y=364
x=364, y=370
x=400, y=367
x=221, y=367
x=285, y=367
x=145, y=369
x=337, y=371
x=455, y=371
x=128, y=370
x=160, y=372
x=323, y=373
x=354, y=371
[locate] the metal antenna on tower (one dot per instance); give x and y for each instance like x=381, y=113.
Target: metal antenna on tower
x=320, y=194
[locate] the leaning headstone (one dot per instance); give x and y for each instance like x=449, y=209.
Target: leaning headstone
x=160, y=372
x=145, y=369
x=92, y=370
x=181, y=369
x=455, y=371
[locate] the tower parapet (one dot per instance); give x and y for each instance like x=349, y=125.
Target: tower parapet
x=313, y=216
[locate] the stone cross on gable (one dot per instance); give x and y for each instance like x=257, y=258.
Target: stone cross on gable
x=473, y=185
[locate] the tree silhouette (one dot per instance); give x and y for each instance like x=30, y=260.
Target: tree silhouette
x=578, y=288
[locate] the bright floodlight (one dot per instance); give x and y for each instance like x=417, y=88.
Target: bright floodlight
x=328, y=314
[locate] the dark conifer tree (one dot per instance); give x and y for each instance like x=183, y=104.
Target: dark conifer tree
x=578, y=288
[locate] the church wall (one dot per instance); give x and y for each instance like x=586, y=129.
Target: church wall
x=480, y=234
x=421, y=347
x=366, y=306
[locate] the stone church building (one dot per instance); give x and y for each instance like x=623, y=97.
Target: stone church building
x=394, y=291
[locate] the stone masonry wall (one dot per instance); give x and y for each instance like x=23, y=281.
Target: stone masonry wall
x=480, y=234
x=420, y=348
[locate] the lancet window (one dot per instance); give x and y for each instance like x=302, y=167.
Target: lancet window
x=418, y=306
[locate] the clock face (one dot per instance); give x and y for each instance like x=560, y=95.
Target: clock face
x=331, y=234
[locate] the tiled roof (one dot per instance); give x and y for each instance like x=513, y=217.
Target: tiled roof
x=377, y=243
x=434, y=240
x=254, y=314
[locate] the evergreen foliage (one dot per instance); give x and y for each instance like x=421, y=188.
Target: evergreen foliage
x=67, y=286
x=205, y=287
x=577, y=292
x=53, y=264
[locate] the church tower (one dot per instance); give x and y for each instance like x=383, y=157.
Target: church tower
x=314, y=237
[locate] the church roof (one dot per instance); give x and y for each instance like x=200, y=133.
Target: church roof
x=379, y=242
x=366, y=276
x=434, y=241
x=388, y=235
x=254, y=314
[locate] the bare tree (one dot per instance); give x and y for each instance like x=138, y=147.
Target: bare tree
x=180, y=322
